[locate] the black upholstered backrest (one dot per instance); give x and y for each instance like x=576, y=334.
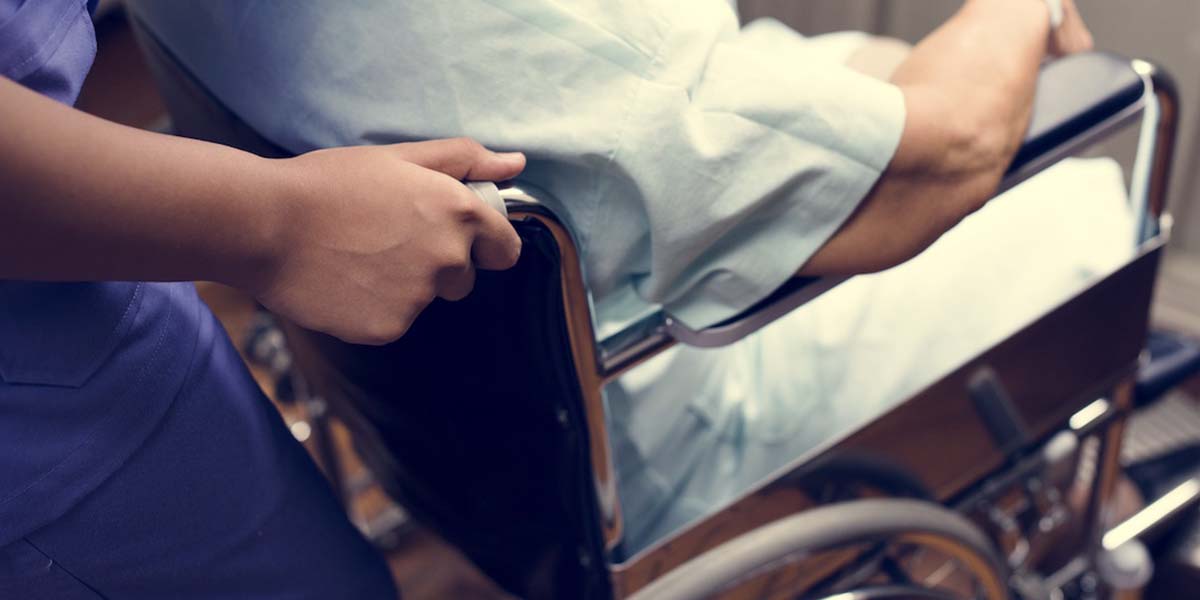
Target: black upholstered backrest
x=473, y=419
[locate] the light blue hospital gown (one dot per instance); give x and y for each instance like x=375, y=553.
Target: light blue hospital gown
x=699, y=163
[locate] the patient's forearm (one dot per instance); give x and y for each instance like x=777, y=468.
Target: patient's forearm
x=969, y=89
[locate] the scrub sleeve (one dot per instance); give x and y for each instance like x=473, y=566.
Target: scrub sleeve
x=138, y=458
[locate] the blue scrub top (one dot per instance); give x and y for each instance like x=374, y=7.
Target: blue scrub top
x=87, y=370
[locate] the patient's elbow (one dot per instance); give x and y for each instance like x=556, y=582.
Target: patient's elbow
x=949, y=165
x=954, y=172
x=947, y=141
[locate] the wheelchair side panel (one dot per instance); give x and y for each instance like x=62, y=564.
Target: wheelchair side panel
x=1052, y=369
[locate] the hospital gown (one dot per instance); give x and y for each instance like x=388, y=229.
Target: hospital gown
x=700, y=165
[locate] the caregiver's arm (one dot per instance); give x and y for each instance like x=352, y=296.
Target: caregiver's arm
x=968, y=89
x=352, y=241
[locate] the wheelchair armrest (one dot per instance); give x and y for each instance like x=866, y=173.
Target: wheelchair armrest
x=1078, y=98
x=1081, y=100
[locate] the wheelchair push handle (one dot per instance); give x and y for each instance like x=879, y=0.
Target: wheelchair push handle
x=489, y=194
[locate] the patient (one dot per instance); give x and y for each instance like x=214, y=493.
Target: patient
x=702, y=165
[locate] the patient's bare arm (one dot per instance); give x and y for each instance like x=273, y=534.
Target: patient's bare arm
x=969, y=89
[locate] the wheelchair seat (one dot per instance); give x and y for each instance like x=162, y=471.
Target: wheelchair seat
x=487, y=420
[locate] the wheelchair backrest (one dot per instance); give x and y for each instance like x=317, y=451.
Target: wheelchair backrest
x=473, y=420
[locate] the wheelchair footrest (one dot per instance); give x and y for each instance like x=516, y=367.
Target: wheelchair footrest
x=1162, y=445
x=1173, y=360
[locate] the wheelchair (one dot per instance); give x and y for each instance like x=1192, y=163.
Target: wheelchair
x=487, y=420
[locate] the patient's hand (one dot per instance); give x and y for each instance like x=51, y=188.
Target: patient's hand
x=373, y=234
x=879, y=57
x=1073, y=35
x=968, y=90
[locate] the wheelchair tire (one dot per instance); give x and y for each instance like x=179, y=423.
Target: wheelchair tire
x=828, y=528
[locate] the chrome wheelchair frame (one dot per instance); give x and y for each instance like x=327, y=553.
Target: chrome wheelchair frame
x=521, y=477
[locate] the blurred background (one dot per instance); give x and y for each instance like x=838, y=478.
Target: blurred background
x=121, y=89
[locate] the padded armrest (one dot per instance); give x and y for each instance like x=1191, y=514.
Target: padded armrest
x=1076, y=95
x=1080, y=100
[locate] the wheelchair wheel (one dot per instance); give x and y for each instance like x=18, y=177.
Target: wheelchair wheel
x=845, y=477
x=864, y=549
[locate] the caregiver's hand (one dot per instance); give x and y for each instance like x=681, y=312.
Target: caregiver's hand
x=374, y=234
x=353, y=242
